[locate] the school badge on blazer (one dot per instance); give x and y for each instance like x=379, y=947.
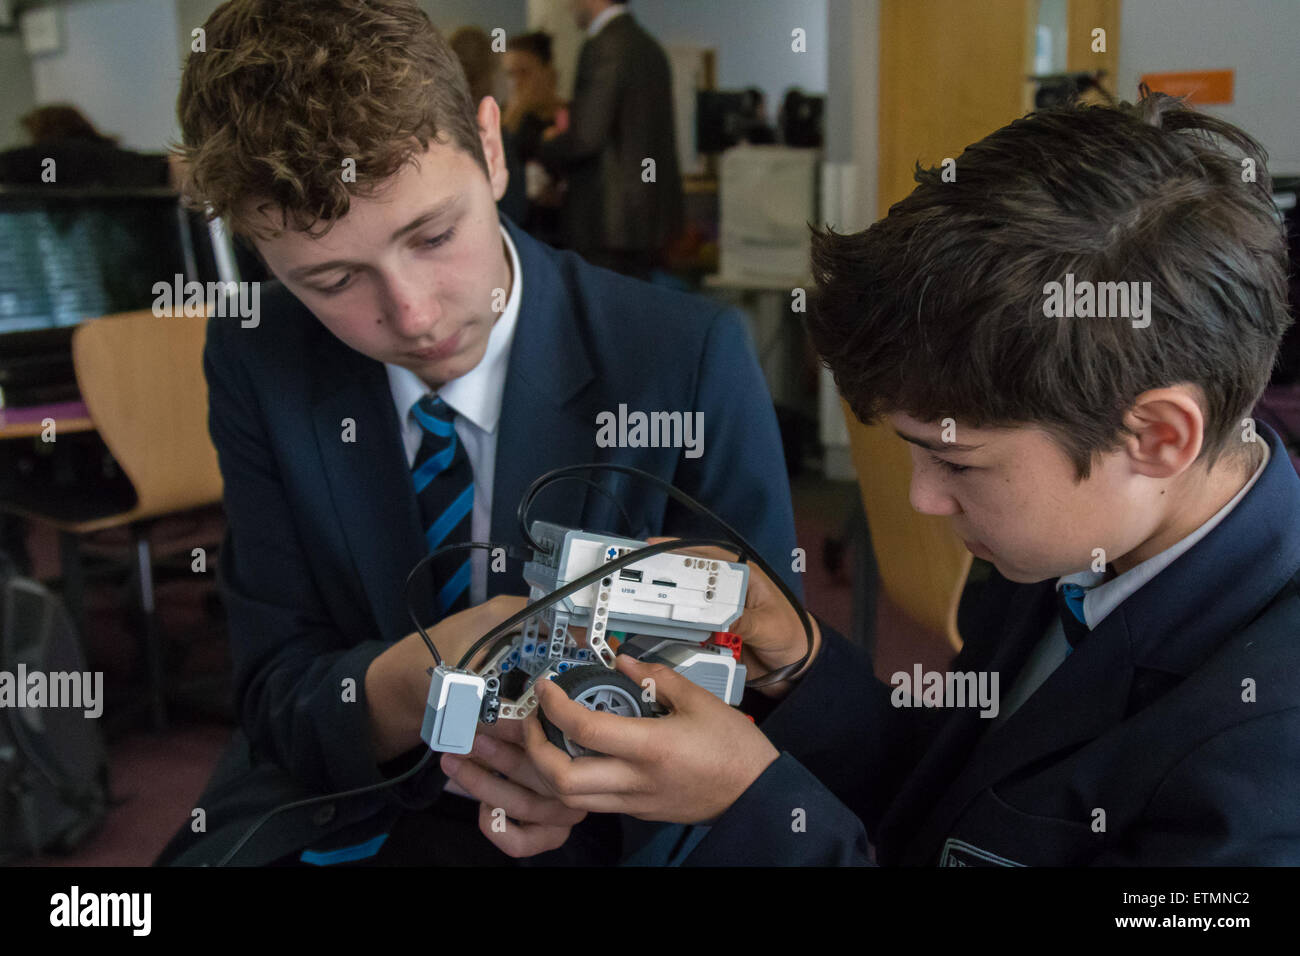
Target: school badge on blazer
x=960, y=853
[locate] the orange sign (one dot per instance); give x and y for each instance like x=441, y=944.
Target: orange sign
x=1199, y=86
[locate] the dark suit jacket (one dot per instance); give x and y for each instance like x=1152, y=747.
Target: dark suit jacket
x=621, y=115
x=322, y=533
x=1145, y=721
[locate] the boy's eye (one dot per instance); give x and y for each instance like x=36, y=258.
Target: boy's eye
x=439, y=239
x=955, y=469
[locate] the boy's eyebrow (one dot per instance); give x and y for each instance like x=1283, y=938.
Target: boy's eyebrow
x=945, y=446
x=431, y=213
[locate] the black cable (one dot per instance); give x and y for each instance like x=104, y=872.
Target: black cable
x=627, y=519
x=311, y=801
x=666, y=487
x=436, y=552
x=737, y=540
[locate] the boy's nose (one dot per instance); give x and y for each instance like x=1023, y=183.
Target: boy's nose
x=413, y=313
x=928, y=496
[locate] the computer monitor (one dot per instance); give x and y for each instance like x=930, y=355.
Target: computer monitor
x=71, y=254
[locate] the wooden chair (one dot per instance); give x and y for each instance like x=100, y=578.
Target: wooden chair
x=141, y=377
x=922, y=564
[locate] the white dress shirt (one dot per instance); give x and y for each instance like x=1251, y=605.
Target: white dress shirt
x=476, y=398
x=1103, y=597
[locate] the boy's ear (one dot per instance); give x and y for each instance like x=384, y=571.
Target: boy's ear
x=1167, y=429
x=489, y=131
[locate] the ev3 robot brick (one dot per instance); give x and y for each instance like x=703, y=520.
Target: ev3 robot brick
x=672, y=609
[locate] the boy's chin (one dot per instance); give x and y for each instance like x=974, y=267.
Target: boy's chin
x=1021, y=575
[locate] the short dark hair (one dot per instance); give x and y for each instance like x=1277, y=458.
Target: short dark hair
x=938, y=309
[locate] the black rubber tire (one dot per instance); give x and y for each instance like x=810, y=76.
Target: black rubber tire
x=582, y=681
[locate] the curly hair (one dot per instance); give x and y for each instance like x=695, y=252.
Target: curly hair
x=287, y=91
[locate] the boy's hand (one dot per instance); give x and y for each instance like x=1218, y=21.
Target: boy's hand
x=517, y=812
x=397, y=681
x=454, y=634
x=772, y=632
x=686, y=767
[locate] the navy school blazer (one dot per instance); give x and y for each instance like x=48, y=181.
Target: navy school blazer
x=322, y=532
x=1170, y=737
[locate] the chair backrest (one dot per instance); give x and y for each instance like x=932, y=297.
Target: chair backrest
x=923, y=564
x=141, y=377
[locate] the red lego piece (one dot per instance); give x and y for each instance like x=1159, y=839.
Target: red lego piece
x=728, y=640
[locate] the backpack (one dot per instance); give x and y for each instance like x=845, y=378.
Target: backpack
x=53, y=763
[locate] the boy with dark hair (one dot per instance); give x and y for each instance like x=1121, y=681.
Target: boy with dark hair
x=418, y=364
x=1071, y=333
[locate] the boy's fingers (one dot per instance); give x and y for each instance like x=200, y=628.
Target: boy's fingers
x=451, y=786
x=518, y=839
x=505, y=728
x=511, y=760
x=664, y=685
x=518, y=802
x=603, y=732
x=587, y=783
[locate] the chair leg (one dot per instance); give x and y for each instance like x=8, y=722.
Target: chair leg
x=152, y=633
x=74, y=581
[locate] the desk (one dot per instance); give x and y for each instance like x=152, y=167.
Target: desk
x=69, y=417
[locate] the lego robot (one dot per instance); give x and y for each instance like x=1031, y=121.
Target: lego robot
x=672, y=609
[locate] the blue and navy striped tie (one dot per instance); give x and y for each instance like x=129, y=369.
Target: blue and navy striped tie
x=1069, y=605
x=444, y=488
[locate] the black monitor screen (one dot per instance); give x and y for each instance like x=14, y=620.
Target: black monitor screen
x=69, y=255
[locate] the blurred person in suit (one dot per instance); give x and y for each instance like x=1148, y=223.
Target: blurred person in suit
x=623, y=203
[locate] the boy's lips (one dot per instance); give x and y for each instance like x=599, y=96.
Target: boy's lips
x=444, y=349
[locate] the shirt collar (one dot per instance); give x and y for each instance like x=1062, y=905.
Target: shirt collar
x=609, y=13
x=1104, y=595
x=478, y=393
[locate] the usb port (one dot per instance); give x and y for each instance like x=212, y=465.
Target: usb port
x=627, y=574
x=664, y=584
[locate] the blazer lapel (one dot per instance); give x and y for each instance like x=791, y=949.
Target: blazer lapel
x=369, y=482
x=1080, y=700
x=951, y=747
x=542, y=425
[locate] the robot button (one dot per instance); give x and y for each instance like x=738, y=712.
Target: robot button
x=323, y=815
